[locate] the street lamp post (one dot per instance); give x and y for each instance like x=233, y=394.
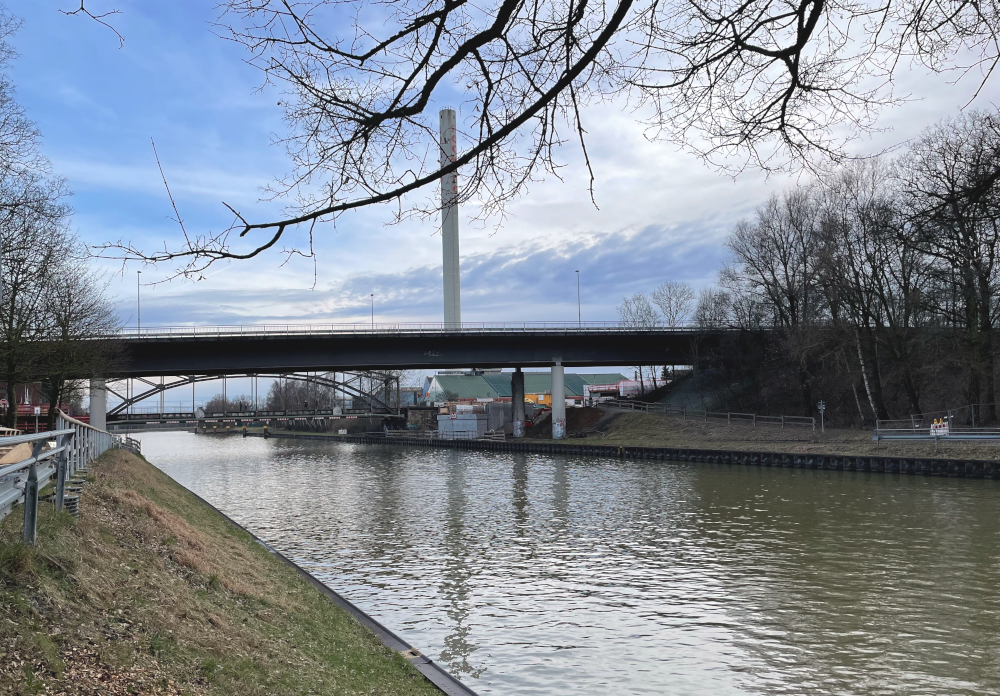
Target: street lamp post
x=579, y=316
x=138, y=303
x=373, y=311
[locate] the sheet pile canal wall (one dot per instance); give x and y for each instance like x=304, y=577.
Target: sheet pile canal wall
x=955, y=468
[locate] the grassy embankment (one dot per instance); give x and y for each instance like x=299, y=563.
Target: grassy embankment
x=654, y=430
x=152, y=592
x=657, y=430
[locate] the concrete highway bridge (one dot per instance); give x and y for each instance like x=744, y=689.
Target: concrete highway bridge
x=279, y=349
x=196, y=353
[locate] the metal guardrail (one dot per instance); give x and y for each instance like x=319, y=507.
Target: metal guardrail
x=400, y=328
x=128, y=443
x=21, y=482
x=57, y=454
x=731, y=418
x=916, y=430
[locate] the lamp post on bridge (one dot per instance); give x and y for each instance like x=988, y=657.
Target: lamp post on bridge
x=373, y=311
x=138, y=304
x=579, y=315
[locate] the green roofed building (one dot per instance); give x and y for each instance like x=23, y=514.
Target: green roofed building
x=469, y=386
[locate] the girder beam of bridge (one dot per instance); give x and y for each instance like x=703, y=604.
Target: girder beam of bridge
x=235, y=353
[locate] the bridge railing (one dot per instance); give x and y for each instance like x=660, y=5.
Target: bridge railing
x=399, y=328
x=55, y=455
x=731, y=418
x=146, y=415
x=492, y=435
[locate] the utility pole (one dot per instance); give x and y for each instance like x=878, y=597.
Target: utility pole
x=579, y=315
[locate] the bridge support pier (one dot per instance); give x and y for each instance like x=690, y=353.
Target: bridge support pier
x=558, y=401
x=98, y=404
x=517, y=401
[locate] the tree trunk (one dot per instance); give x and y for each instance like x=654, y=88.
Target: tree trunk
x=986, y=348
x=805, y=388
x=883, y=412
x=897, y=347
x=972, y=336
x=873, y=386
x=58, y=386
x=10, y=418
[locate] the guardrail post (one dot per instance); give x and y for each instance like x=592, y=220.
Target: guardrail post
x=31, y=498
x=31, y=506
x=62, y=463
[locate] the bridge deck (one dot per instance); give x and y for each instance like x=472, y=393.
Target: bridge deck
x=243, y=350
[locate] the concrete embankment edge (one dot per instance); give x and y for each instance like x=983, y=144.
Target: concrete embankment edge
x=435, y=674
x=953, y=468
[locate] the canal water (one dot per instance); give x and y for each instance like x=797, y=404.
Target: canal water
x=531, y=574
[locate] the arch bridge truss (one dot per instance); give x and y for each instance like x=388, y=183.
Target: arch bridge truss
x=378, y=391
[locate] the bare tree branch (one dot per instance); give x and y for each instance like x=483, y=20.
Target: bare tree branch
x=99, y=18
x=773, y=84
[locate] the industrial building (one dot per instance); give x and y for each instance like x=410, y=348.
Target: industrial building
x=489, y=385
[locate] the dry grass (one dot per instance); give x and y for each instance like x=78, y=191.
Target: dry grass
x=153, y=592
x=651, y=430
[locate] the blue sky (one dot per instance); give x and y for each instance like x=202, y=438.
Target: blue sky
x=662, y=215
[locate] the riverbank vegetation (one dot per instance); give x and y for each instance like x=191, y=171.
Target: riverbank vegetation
x=873, y=288
x=153, y=592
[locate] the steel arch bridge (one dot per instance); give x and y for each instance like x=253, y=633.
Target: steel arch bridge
x=351, y=385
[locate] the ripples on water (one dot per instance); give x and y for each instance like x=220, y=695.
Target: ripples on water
x=530, y=574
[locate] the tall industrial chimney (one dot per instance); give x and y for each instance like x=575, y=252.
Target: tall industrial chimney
x=449, y=222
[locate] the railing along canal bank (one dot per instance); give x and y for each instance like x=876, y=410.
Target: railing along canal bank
x=730, y=418
x=57, y=454
x=943, y=431
x=914, y=466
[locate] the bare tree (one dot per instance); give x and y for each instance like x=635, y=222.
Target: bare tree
x=713, y=308
x=873, y=279
x=230, y=404
x=638, y=312
x=675, y=300
x=33, y=234
x=33, y=242
x=951, y=179
x=82, y=323
x=774, y=255
x=771, y=83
